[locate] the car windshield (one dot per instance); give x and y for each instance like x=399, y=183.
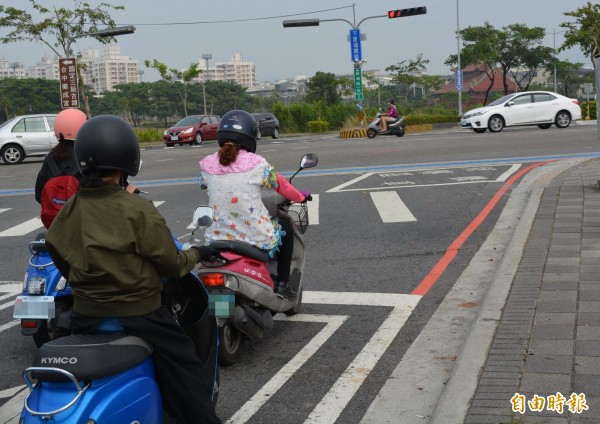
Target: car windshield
x=500, y=100
x=187, y=121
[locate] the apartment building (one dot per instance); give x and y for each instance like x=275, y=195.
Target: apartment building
x=236, y=70
x=103, y=71
x=10, y=69
x=47, y=68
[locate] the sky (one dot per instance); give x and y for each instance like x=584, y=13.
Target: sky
x=178, y=32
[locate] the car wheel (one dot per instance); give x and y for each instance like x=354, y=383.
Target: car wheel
x=496, y=123
x=275, y=133
x=12, y=154
x=169, y=144
x=198, y=138
x=563, y=119
x=544, y=126
x=480, y=130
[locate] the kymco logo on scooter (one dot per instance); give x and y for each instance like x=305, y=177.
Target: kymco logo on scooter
x=59, y=360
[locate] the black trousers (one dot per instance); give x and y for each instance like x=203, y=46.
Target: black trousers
x=183, y=381
x=286, y=250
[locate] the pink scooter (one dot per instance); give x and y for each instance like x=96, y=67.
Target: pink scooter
x=241, y=289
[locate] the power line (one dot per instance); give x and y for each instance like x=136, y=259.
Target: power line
x=238, y=20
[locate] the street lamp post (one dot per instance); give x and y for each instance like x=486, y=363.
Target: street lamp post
x=458, y=69
x=206, y=57
x=355, y=38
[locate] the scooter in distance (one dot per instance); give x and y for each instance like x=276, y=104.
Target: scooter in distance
x=44, y=306
x=241, y=289
x=396, y=127
x=109, y=377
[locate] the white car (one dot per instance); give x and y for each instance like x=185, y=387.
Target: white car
x=27, y=135
x=541, y=108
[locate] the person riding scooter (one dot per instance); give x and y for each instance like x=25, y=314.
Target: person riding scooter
x=234, y=177
x=390, y=115
x=115, y=248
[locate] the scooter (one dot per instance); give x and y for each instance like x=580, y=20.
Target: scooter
x=109, y=377
x=45, y=303
x=395, y=127
x=241, y=289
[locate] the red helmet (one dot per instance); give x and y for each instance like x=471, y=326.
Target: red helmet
x=67, y=124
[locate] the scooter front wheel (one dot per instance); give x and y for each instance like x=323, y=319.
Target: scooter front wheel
x=232, y=344
x=371, y=133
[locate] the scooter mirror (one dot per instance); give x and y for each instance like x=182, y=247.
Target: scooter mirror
x=309, y=160
x=203, y=216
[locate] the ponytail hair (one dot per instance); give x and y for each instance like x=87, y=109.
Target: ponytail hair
x=228, y=153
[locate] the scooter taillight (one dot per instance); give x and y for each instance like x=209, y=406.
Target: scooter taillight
x=212, y=279
x=28, y=323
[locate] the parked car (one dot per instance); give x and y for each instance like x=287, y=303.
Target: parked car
x=268, y=124
x=26, y=135
x=541, y=108
x=193, y=129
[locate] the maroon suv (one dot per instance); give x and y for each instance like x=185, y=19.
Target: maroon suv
x=193, y=129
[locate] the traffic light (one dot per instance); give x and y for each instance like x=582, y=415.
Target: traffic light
x=401, y=13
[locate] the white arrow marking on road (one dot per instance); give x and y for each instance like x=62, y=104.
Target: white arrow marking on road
x=391, y=208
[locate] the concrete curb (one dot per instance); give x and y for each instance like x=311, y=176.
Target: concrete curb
x=454, y=402
x=438, y=354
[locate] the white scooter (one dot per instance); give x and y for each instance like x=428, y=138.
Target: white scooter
x=395, y=127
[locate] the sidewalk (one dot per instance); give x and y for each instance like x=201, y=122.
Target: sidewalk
x=537, y=331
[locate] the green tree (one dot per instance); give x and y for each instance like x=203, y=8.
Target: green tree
x=180, y=80
x=323, y=87
x=408, y=73
x=584, y=32
x=58, y=28
x=28, y=95
x=568, y=78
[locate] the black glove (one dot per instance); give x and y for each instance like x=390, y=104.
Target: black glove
x=209, y=254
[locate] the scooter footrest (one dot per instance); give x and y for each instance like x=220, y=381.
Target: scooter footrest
x=90, y=356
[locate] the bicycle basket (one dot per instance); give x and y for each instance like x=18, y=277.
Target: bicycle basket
x=298, y=212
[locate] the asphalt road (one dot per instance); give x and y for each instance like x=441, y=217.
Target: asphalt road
x=385, y=213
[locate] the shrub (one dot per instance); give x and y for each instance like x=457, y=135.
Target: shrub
x=145, y=135
x=584, y=109
x=317, y=126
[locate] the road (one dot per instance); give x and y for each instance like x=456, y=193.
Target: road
x=394, y=223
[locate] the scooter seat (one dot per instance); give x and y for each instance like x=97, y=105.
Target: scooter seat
x=90, y=356
x=243, y=248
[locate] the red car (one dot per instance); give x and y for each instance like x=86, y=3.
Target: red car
x=193, y=129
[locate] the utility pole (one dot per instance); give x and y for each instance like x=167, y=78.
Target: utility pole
x=206, y=58
x=459, y=75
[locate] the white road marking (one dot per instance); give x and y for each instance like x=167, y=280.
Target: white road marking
x=333, y=322
x=10, y=411
x=346, y=184
x=157, y=203
x=9, y=324
x=313, y=210
x=391, y=208
x=508, y=173
x=4, y=209
x=11, y=286
x=8, y=296
x=350, y=381
x=24, y=228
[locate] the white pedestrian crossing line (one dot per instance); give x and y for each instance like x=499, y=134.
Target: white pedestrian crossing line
x=391, y=208
x=313, y=210
x=4, y=209
x=24, y=228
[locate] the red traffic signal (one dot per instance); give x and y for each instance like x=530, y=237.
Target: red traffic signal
x=401, y=13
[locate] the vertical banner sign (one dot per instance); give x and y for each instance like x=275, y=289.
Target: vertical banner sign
x=358, y=87
x=355, y=48
x=459, y=80
x=69, y=88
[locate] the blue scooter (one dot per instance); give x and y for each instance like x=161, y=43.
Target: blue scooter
x=45, y=304
x=109, y=377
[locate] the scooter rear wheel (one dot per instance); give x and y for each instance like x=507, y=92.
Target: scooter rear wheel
x=371, y=133
x=232, y=344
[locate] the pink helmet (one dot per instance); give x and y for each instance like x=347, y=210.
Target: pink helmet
x=67, y=124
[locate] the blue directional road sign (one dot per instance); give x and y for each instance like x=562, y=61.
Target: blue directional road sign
x=355, y=48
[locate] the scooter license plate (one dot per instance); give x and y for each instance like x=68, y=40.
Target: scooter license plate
x=38, y=307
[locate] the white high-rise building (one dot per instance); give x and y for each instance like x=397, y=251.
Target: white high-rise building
x=47, y=68
x=10, y=69
x=105, y=71
x=236, y=70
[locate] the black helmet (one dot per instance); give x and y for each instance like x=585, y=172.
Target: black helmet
x=239, y=127
x=107, y=142
x=392, y=101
